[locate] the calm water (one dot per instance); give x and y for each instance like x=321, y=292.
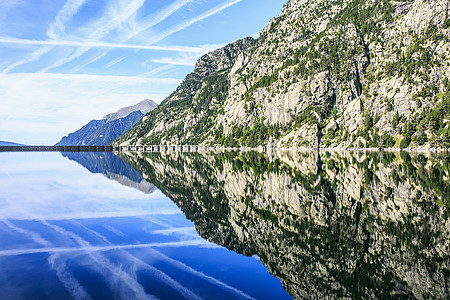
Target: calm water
x=224, y=226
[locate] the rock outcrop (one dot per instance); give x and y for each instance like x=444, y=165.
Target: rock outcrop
x=378, y=69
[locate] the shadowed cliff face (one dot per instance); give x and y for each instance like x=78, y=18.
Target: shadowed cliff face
x=359, y=225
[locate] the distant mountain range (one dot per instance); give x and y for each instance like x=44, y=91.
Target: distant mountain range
x=4, y=143
x=104, y=131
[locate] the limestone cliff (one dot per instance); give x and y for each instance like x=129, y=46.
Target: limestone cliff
x=337, y=73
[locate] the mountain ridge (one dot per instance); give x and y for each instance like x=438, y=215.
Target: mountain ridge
x=144, y=107
x=103, y=132
x=322, y=74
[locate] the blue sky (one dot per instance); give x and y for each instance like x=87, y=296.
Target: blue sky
x=65, y=62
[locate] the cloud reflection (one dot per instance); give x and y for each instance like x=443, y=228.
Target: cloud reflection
x=50, y=187
x=96, y=238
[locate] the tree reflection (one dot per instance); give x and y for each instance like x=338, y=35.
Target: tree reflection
x=339, y=224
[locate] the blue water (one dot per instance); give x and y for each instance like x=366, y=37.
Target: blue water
x=68, y=233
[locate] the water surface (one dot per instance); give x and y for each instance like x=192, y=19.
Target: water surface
x=224, y=226
x=68, y=233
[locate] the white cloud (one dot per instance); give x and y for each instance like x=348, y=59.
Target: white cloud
x=184, y=61
x=174, y=29
x=41, y=108
x=35, y=55
x=116, y=19
x=97, y=44
x=70, y=8
x=116, y=61
x=189, y=22
x=147, y=23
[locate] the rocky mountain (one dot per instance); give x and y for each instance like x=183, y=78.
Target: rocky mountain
x=335, y=225
x=103, y=132
x=339, y=73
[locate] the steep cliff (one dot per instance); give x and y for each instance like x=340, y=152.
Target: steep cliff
x=103, y=132
x=337, y=73
x=330, y=226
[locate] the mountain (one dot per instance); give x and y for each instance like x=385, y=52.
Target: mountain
x=112, y=167
x=104, y=131
x=339, y=73
x=338, y=225
x=4, y=143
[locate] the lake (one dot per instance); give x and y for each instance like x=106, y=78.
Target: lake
x=232, y=225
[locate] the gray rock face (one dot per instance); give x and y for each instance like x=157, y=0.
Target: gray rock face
x=313, y=63
x=222, y=58
x=182, y=116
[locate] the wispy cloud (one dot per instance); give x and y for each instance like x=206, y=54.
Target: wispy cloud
x=94, y=40
x=174, y=29
x=114, y=62
x=98, y=44
x=105, y=266
x=34, y=56
x=100, y=32
x=147, y=23
x=184, y=61
x=189, y=22
x=156, y=273
x=70, y=8
x=162, y=277
x=31, y=235
x=180, y=27
x=56, y=263
x=89, y=78
x=159, y=17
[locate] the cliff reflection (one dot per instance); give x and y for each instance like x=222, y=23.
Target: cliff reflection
x=359, y=225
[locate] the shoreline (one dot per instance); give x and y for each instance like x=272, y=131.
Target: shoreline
x=205, y=148
x=330, y=149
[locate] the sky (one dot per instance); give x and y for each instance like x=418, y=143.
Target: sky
x=66, y=62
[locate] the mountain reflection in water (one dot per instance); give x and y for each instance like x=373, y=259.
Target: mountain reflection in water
x=67, y=233
x=359, y=225
x=112, y=167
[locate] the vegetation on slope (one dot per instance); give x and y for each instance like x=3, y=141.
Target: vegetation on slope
x=331, y=54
